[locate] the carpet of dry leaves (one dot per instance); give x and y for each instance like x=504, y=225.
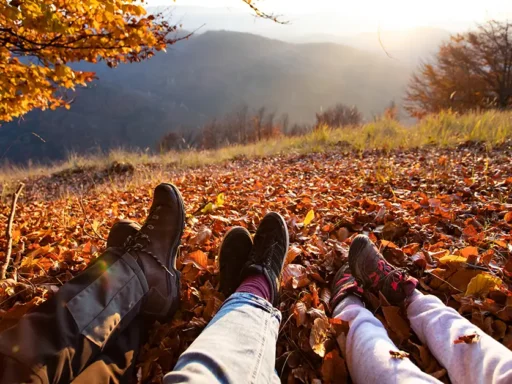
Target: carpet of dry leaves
x=444, y=214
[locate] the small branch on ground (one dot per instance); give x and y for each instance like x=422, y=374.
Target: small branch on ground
x=8, y=234
x=97, y=235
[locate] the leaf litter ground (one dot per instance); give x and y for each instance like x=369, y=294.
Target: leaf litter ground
x=443, y=214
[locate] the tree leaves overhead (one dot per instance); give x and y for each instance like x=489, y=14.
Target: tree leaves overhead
x=447, y=225
x=39, y=39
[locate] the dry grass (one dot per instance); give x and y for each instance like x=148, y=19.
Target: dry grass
x=445, y=129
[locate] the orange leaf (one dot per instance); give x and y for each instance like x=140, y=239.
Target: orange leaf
x=293, y=252
x=198, y=258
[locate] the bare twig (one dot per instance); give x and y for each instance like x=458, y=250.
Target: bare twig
x=444, y=281
x=8, y=233
x=98, y=236
x=382, y=45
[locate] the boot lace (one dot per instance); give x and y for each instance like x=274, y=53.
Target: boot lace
x=141, y=241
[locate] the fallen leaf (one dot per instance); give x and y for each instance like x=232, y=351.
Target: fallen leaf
x=399, y=355
x=453, y=261
x=319, y=335
x=480, y=285
x=396, y=322
x=295, y=275
x=219, y=201
x=469, y=251
x=299, y=313
x=309, y=218
x=203, y=235
x=293, y=252
x=199, y=258
x=334, y=369
x=468, y=339
x=207, y=208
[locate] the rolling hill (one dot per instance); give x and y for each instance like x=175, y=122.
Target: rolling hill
x=134, y=105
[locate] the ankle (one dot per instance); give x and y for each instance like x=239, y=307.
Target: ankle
x=256, y=284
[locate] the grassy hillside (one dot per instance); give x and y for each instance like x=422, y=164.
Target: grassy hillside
x=444, y=130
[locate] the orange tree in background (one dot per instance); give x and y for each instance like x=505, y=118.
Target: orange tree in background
x=472, y=71
x=40, y=38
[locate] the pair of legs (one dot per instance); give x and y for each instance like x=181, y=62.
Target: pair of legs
x=368, y=347
x=92, y=329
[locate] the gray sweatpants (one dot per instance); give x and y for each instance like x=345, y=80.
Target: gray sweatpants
x=438, y=326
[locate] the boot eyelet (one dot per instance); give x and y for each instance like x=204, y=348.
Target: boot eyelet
x=150, y=227
x=155, y=217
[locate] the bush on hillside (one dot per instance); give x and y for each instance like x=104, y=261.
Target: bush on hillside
x=339, y=116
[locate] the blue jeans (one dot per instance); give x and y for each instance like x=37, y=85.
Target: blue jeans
x=237, y=346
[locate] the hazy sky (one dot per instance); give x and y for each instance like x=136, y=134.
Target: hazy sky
x=368, y=15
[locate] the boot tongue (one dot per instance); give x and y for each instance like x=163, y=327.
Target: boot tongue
x=251, y=269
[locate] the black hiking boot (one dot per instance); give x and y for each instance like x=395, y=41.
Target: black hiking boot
x=269, y=252
x=155, y=247
x=121, y=232
x=233, y=255
x=375, y=274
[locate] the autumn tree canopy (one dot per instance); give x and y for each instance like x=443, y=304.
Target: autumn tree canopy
x=472, y=71
x=39, y=39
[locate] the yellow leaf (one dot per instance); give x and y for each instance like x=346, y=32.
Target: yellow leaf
x=309, y=218
x=30, y=260
x=220, y=200
x=319, y=336
x=481, y=285
x=207, y=208
x=453, y=261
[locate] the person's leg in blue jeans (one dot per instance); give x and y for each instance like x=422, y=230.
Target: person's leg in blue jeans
x=90, y=331
x=239, y=344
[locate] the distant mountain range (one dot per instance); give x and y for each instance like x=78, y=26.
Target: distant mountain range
x=134, y=105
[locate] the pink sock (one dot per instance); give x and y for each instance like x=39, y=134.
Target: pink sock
x=257, y=285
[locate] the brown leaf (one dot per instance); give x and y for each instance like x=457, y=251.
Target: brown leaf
x=392, y=230
x=212, y=306
x=11, y=317
x=202, y=236
x=295, y=276
x=396, y=322
x=334, y=369
x=293, y=252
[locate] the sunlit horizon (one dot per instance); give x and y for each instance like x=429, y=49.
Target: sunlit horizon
x=365, y=15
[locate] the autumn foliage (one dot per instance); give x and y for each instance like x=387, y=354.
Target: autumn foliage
x=39, y=39
x=471, y=72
